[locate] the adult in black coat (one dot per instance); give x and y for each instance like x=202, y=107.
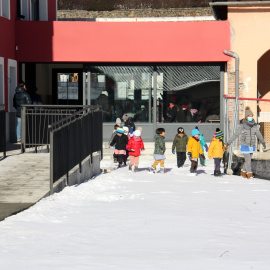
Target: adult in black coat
x=21, y=97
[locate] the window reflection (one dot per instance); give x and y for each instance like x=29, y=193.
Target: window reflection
x=185, y=93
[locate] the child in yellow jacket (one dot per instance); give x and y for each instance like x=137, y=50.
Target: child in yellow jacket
x=216, y=150
x=194, y=149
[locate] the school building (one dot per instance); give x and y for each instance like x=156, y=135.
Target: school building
x=163, y=73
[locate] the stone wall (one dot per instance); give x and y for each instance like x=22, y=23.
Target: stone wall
x=134, y=13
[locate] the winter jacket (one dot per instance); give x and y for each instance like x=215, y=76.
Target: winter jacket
x=247, y=130
x=135, y=144
x=129, y=123
x=180, y=143
x=171, y=114
x=120, y=142
x=21, y=97
x=194, y=147
x=216, y=148
x=202, y=141
x=159, y=145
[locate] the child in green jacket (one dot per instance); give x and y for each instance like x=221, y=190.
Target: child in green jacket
x=180, y=143
x=159, y=150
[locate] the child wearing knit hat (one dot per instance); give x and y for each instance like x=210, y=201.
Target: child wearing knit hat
x=120, y=141
x=180, y=144
x=216, y=150
x=248, y=130
x=135, y=146
x=194, y=149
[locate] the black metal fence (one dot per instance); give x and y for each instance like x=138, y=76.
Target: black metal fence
x=2, y=129
x=72, y=139
x=35, y=122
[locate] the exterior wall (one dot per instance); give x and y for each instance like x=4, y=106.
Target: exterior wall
x=52, y=12
x=7, y=44
x=250, y=41
x=122, y=41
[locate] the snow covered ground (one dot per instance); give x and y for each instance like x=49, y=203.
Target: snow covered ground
x=122, y=220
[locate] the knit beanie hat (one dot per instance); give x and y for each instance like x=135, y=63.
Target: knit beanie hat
x=180, y=130
x=120, y=130
x=125, y=117
x=219, y=134
x=118, y=121
x=137, y=133
x=248, y=112
x=194, y=132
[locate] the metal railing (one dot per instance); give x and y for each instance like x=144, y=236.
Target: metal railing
x=3, y=129
x=35, y=122
x=72, y=139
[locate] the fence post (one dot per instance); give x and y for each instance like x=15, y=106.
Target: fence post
x=51, y=161
x=23, y=128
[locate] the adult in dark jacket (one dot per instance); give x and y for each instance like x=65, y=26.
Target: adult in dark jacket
x=129, y=122
x=180, y=143
x=21, y=97
x=35, y=97
x=171, y=113
x=248, y=129
x=141, y=115
x=120, y=141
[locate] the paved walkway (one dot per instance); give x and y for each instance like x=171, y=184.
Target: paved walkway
x=24, y=180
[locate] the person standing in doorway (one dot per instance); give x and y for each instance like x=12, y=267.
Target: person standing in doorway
x=21, y=97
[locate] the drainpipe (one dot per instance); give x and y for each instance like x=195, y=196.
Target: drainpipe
x=236, y=111
x=235, y=55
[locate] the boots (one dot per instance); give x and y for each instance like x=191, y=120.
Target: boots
x=152, y=170
x=244, y=174
x=217, y=173
x=135, y=169
x=162, y=170
x=249, y=175
x=130, y=168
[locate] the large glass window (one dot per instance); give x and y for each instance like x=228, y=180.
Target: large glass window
x=188, y=93
x=123, y=90
x=185, y=92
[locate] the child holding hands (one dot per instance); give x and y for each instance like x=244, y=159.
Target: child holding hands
x=216, y=150
x=135, y=146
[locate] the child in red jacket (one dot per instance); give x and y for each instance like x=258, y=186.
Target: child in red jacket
x=134, y=146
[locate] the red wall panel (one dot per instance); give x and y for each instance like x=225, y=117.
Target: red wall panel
x=122, y=41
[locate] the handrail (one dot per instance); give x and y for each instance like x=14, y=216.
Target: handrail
x=255, y=99
x=71, y=116
x=59, y=106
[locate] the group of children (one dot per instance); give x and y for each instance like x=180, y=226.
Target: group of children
x=127, y=141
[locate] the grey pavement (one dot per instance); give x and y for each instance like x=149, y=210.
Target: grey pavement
x=24, y=179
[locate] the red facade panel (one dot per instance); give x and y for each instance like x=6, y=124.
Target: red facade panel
x=122, y=41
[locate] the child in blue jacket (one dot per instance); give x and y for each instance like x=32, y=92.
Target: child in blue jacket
x=203, y=145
